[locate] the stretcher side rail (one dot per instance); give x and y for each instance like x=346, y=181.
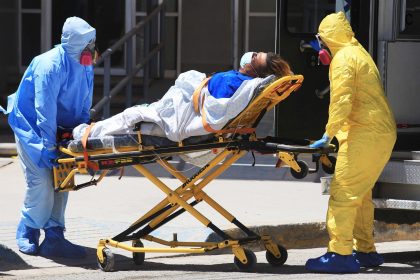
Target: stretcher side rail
x=109, y=161
x=258, y=146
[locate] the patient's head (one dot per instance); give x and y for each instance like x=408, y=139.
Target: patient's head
x=261, y=64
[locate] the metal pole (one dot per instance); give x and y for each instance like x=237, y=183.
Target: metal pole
x=129, y=69
x=179, y=39
x=146, y=69
x=279, y=18
x=235, y=33
x=246, y=37
x=107, y=86
x=162, y=40
x=46, y=19
x=154, y=39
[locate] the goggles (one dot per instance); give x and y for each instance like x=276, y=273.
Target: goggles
x=89, y=54
x=320, y=42
x=324, y=55
x=91, y=46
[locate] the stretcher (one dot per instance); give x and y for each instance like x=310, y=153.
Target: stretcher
x=237, y=138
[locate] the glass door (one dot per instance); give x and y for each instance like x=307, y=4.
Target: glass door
x=172, y=34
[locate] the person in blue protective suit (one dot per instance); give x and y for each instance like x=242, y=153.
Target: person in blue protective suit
x=252, y=65
x=362, y=121
x=55, y=91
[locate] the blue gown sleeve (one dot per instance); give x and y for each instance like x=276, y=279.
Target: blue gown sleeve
x=47, y=87
x=86, y=108
x=87, y=103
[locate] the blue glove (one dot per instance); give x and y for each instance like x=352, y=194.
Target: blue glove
x=321, y=143
x=49, y=158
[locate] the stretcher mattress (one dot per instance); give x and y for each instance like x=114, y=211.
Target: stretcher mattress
x=115, y=142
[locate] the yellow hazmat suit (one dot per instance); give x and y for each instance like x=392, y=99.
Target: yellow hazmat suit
x=362, y=121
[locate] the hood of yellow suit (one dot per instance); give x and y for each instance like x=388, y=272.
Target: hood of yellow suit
x=336, y=32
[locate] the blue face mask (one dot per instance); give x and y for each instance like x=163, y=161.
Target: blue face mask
x=246, y=59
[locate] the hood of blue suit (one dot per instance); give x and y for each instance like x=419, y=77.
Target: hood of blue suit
x=77, y=33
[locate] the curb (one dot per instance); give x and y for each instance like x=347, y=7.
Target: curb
x=315, y=235
x=8, y=149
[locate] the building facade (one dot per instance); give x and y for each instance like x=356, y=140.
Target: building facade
x=206, y=35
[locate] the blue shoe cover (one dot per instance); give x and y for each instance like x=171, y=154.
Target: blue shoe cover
x=333, y=263
x=56, y=246
x=372, y=259
x=27, y=239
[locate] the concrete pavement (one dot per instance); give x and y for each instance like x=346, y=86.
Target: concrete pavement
x=292, y=211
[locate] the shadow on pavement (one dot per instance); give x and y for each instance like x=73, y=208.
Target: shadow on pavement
x=262, y=268
x=89, y=262
x=9, y=260
x=402, y=257
x=410, y=262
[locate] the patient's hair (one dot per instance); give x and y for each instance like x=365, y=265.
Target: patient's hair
x=277, y=65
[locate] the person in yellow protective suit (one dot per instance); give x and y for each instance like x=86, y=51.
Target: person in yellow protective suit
x=362, y=121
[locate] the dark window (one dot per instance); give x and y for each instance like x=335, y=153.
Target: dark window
x=170, y=6
x=409, y=19
x=107, y=16
x=263, y=6
x=8, y=4
x=31, y=4
x=31, y=39
x=262, y=41
x=305, y=16
x=171, y=42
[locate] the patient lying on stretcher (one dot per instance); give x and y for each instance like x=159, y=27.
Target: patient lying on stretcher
x=226, y=95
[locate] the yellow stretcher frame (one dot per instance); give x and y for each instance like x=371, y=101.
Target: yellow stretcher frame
x=177, y=201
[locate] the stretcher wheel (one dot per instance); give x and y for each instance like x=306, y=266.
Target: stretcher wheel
x=273, y=260
x=138, y=258
x=327, y=169
x=303, y=170
x=252, y=260
x=108, y=263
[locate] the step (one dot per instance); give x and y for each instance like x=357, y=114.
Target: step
x=401, y=172
x=408, y=140
x=405, y=155
x=401, y=204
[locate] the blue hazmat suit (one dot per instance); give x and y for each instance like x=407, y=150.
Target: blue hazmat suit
x=56, y=90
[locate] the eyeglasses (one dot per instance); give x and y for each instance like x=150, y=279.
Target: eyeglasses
x=91, y=46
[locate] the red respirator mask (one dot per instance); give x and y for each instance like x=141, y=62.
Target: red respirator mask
x=89, y=55
x=324, y=56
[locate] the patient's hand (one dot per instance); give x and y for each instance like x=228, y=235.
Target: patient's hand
x=79, y=131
